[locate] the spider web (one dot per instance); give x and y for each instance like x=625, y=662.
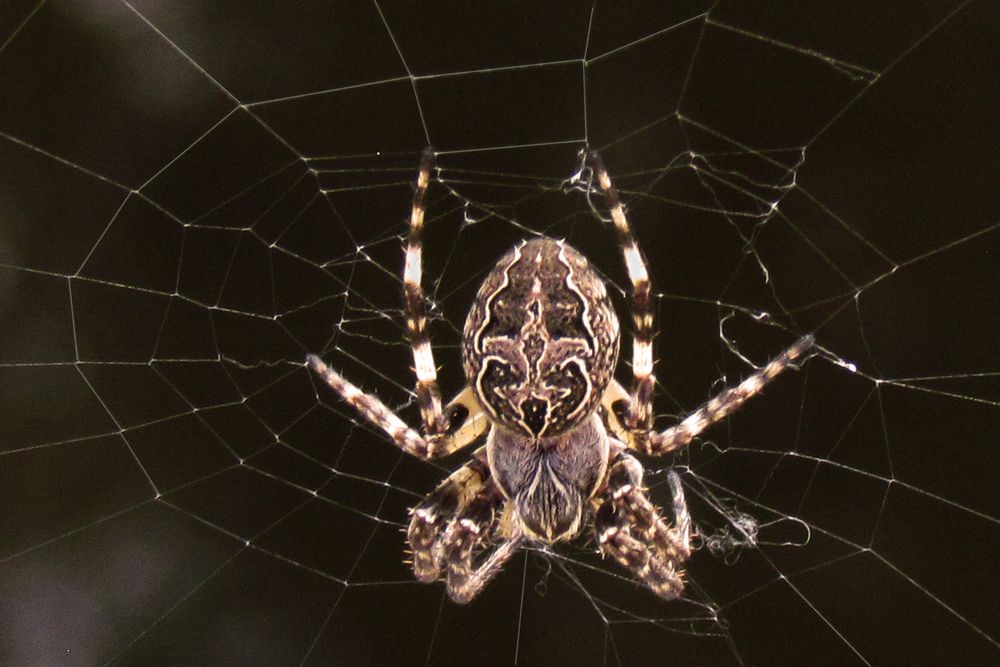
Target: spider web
x=195, y=196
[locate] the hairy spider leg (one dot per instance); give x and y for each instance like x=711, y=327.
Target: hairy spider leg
x=726, y=402
x=409, y=440
x=466, y=579
x=639, y=415
x=428, y=394
x=444, y=431
x=452, y=527
x=630, y=412
x=723, y=404
x=429, y=519
x=630, y=529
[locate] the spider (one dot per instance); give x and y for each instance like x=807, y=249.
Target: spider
x=539, y=350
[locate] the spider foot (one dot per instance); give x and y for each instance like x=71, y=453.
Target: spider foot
x=631, y=531
x=659, y=572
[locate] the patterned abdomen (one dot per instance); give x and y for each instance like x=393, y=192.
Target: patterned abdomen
x=541, y=339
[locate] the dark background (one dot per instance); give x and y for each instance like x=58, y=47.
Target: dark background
x=196, y=194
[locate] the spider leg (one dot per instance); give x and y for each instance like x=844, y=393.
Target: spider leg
x=467, y=419
x=639, y=412
x=428, y=395
x=652, y=443
x=615, y=404
x=630, y=529
x=466, y=538
x=453, y=525
x=630, y=412
x=434, y=515
x=722, y=404
x=444, y=430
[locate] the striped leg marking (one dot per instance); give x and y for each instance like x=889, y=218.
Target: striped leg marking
x=428, y=394
x=630, y=530
x=640, y=412
x=459, y=434
x=429, y=519
x=444, y=430
x=452, y=528
x=465, y=581
x=725, y=402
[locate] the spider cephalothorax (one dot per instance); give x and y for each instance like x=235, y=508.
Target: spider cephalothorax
x=541, y=339
x=539, y=348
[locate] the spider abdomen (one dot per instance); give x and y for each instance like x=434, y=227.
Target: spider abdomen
x=541, y=339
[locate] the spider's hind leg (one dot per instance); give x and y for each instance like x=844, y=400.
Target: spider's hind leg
x=639, y=413
x=630, y=530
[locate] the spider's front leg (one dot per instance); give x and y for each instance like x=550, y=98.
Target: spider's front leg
x=469, y=535
x=431, y=519
x=454, y=525
x=630, y=529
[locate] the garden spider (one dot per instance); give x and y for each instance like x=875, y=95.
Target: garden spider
x=539, y=350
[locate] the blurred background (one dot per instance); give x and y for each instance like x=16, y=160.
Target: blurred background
x=196, y=194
